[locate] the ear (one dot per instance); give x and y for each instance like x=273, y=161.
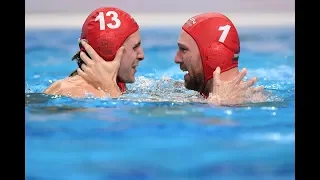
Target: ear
x=218, y=55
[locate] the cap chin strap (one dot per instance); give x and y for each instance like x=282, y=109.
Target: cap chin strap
x=121, y=85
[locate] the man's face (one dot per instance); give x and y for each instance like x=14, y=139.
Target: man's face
x=132, y=54
x=188, y=56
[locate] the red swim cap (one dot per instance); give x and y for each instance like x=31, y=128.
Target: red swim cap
x=217, y=40
x=106, y=29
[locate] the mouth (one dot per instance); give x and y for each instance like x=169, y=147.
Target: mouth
x=135, y=68
x=184, y=69
x=135, y=65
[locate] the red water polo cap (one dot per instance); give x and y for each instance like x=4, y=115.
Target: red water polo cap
x=106, y=29
x=217, y=40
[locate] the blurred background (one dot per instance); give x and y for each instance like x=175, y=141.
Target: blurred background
x=172, y=6
x=71, y=13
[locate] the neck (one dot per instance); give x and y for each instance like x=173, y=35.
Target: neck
x=224, y=76
x=76, y=77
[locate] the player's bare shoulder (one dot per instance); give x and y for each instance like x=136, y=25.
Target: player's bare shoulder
x=54, y=87
x=62, y=87
x=73, y=87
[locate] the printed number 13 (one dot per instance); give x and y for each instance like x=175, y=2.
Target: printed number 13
x=225, y=30
x=114, y=18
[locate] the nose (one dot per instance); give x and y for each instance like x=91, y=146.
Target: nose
x=140, y=55
x=178, y=58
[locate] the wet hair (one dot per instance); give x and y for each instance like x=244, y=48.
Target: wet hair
x=79, y=61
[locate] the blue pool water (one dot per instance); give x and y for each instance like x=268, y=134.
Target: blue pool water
x=158, y=131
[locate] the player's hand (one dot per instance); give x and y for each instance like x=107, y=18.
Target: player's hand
x=98, y=72
x=236, y=91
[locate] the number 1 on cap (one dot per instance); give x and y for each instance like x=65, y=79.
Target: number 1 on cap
x=114, y=19
x=225, y=30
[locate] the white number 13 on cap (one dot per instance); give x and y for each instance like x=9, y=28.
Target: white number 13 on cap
x=115, y=21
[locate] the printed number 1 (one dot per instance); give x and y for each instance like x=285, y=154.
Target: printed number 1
x=225, y=30
x=114, y=18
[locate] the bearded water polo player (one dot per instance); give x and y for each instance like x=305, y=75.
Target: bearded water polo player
x=208, y=41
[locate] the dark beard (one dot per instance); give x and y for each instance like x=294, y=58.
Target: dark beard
x=195, y=82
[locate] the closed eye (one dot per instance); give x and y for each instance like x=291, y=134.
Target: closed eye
x=137, y=45
x=182, y=47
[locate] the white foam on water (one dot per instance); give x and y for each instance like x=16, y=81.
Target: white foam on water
x=272, y=136
x=282, y=72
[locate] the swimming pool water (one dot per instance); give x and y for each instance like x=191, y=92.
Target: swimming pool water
x=158, y=131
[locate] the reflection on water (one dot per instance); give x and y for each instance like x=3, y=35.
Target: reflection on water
x=36, y=98
x=56, y=109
